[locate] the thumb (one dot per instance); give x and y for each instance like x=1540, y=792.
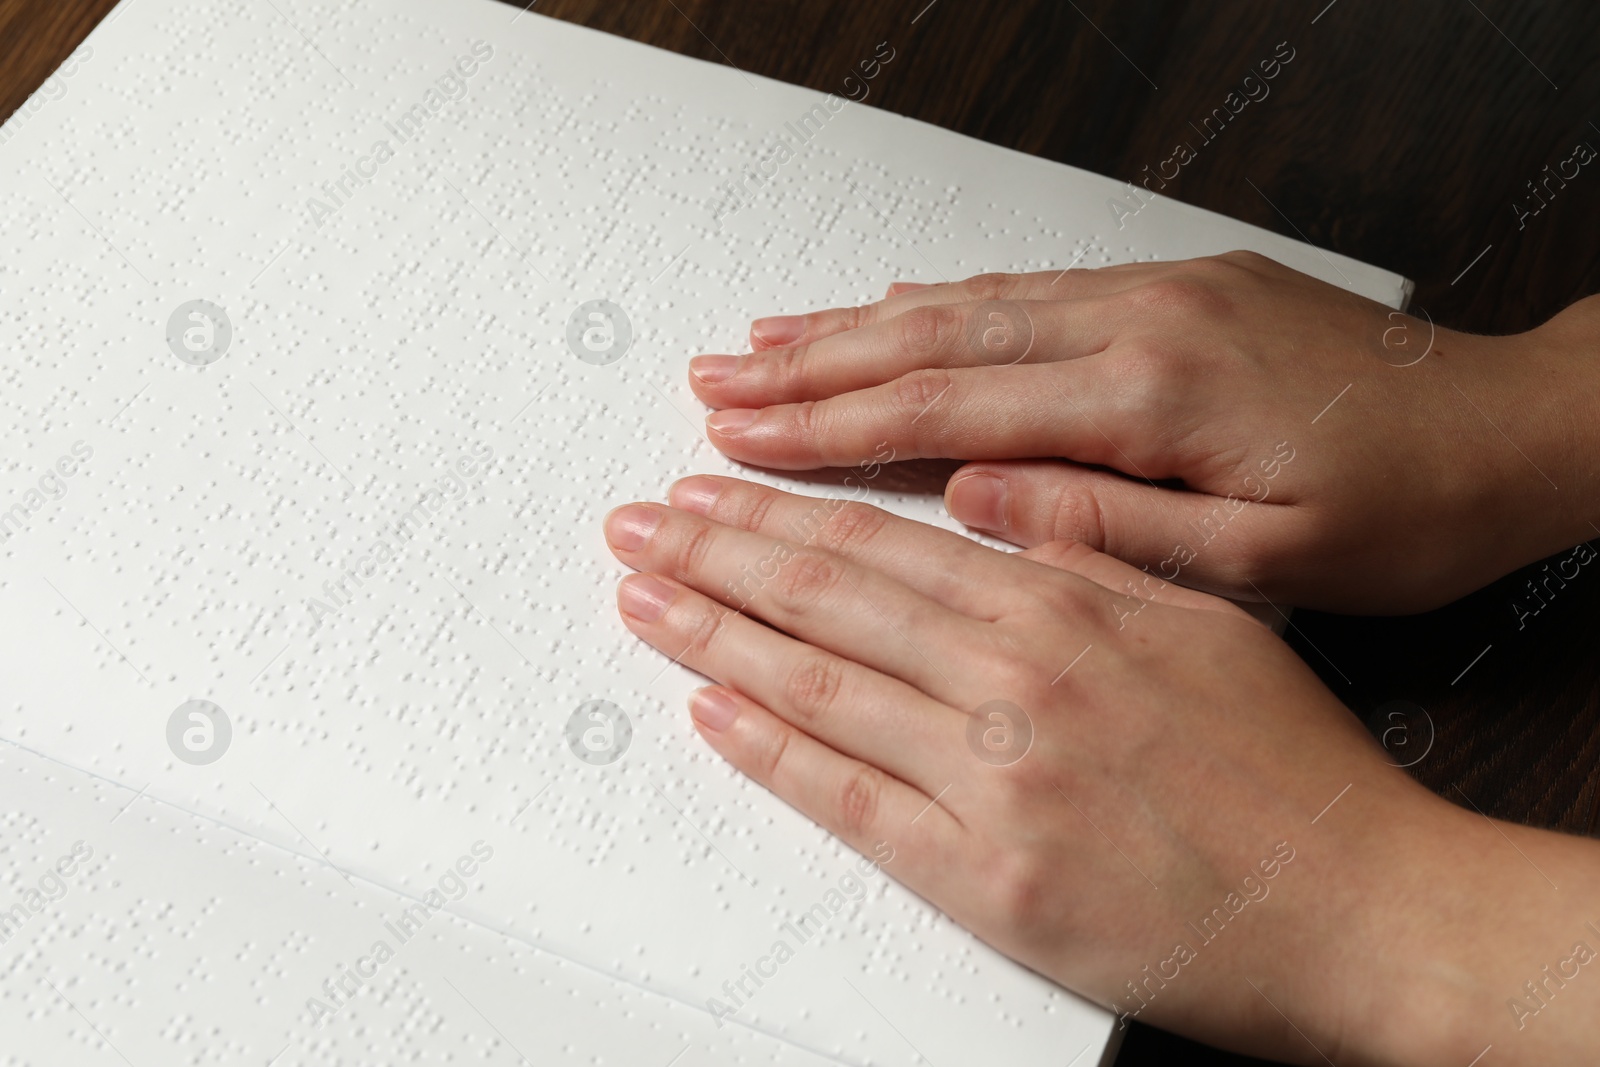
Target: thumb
x=1197, y=539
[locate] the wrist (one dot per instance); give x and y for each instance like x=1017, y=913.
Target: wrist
x=1572, y=343
x=1468, y=939
x=1344, y=969
x=1547, y=428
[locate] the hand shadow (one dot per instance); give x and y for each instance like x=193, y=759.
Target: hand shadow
x=920, y=477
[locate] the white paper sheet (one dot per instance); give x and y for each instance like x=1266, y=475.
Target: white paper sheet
x=249, y=354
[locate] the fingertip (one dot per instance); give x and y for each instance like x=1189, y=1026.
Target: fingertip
x=896, y=288
x=979, y=498
x=630, y=527
x=777, y=330
x=712, y=370
x=776, y=437
x=644, y=598
x=730, y=422
x=696, y=493
x=713, y=708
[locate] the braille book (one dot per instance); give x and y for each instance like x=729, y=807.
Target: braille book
x=331, y=332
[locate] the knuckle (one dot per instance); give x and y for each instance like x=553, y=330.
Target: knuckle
x=812, y=687
x=752, y=508
x=809, y=416
x=1020, y=886
x=1077, y=516
x=920, y=388
x=854, y=525
x=1152, y=379
x=770, y=754
x=808, y=578
x=1214, y=266
x=1023, y=685
x=694, y=550
x=1244, y=257
x=1183, y=296
x=990, y=286
x=1067, y=604
x=857, y=803
x=924, y=329
x=702, y=633
x=788, y=364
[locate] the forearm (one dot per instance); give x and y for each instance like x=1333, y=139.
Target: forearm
x=1485, y=934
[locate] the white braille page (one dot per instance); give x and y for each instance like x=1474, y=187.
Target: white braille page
x=331, y=332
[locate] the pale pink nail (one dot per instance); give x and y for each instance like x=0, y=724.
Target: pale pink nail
x=714, y=369
x=629, y=528
x=780, y=329
x=732, y=421
x=644, y=597
x=979, y=500
x=696, y=494
x=713, y=708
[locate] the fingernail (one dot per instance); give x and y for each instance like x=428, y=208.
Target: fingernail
x=629, y=528
x=644, y=597
x=780, y=329
x=979, y=500
x=713, y=369
x=713, y=708
x=732, y=421
x=906, y=287
x=695, y=494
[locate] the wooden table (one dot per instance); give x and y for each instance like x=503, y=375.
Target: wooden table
x=1402, y=134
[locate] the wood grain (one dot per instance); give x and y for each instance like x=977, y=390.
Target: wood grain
x=1400, y=134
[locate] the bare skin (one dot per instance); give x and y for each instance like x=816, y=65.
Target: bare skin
x=1123, y=407
x=1093, y=763
x=1186, y=762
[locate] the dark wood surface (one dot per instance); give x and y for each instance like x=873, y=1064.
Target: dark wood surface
x=1401, y=134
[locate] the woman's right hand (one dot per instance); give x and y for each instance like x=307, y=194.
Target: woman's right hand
x=1152, y=801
